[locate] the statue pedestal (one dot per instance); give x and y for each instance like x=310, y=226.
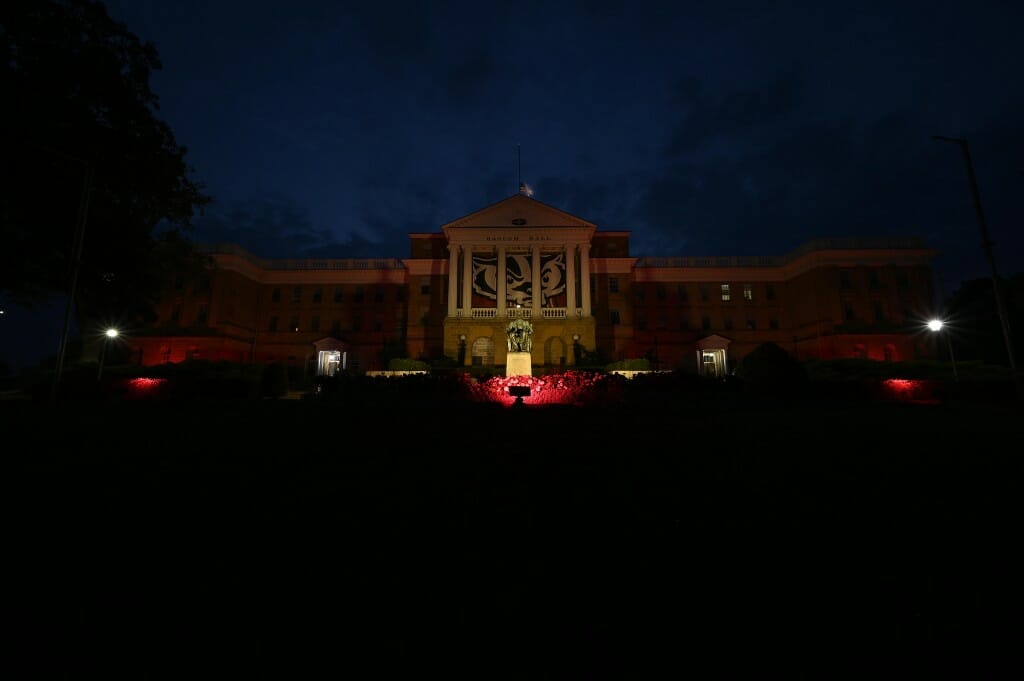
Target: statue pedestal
x=519, y=364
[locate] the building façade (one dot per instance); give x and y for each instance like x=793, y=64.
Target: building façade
x=585, y=296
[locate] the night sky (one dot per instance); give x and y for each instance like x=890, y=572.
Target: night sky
x=334, y=129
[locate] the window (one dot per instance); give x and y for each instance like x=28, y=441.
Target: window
x=613, y=284
x=705, y=323
x=902, y=281
x=201, y=315
x=879, y=312
x=681, y=292
x=769, y=291
x=703, y=293
x=293, y=324
x=662, y=320
x=873, y=281
x=726, y=294
x=275, y=295
x=400, y=295
x=748, y=292
x=751, y=324
x=318, y=294
x=358, y=297
x=615, y=317
x=378, y=294
x=638, y=292
x=848, y=311
x=297, y=294
x=844, y=279
x=659, y=292
x=728, y=323
x=338, y=294
x=204, y=284
x=272, y=324
x=314, y=323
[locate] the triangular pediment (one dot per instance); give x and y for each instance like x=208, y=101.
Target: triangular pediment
x=713, y=342
x=329, y=343
x=519, y=211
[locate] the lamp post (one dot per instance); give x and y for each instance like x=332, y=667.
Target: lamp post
x=937, y=325
x=76, y=266
x=109, y=335
x=986, y=244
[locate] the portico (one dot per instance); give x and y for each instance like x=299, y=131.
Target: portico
x=518, y=259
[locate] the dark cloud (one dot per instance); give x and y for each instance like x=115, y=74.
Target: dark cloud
x=269, y=227
x=706, y=118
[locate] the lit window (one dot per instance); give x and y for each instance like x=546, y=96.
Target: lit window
x=748, y=292
x=726, y=294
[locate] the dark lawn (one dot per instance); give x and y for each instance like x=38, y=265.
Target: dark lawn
x=664, y=539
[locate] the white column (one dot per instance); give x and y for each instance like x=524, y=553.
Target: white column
x=502, y=282
x=467, y=281
x=585, y=277
x=535, y=281
x=453, y=270
x=570, y=280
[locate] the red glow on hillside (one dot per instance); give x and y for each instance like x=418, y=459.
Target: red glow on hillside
x=909, y=390
x=144, y=386
x=571, y=387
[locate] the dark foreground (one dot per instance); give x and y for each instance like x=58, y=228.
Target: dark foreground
x=646, y=541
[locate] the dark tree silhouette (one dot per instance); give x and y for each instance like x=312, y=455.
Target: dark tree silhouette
x=85, y=156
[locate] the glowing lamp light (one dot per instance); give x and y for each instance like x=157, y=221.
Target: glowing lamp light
x=935, y=324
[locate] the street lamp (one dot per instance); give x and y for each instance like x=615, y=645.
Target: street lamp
x=110, y=334
x=937, y=325
x=986, y=244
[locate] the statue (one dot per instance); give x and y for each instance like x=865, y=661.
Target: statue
x=520, y=335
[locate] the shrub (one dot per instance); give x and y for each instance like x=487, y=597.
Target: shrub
x=770, y=367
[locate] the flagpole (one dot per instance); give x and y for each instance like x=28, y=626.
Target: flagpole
x=519, y=168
